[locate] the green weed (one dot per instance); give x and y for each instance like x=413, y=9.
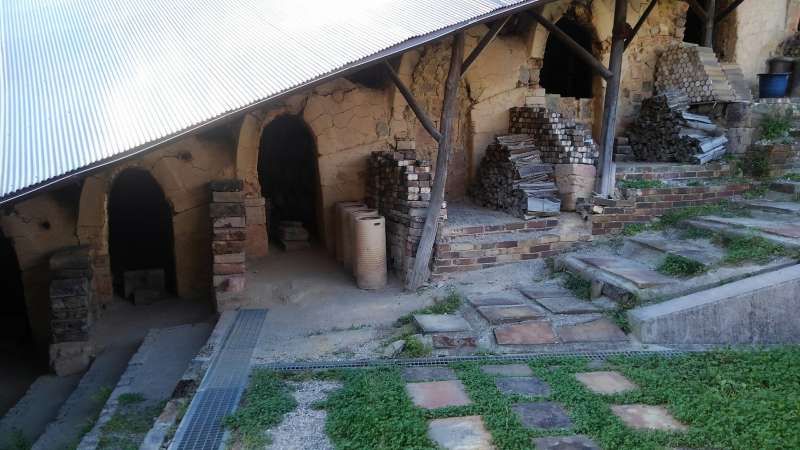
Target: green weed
x=265, y=402
x=578, y=286
x=414, y=348
x=640, y=184
x=678, y=266
x=774, y=127
x=751, y=248
x=447, y=305
x=632, y=229
x=130, y=398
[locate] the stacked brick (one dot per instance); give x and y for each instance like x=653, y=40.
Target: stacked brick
x=695, y=71
x=71, y=314
x=229, y=226
x=513, y=179
x=560, y=140
x=399, y=187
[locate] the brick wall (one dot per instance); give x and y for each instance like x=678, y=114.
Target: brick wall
x=475, y=255
x=655, y=171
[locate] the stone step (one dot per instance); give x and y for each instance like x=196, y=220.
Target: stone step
x=687, y=249
x=785, y=187
x=618, y=278
x=633, y=272
x=780, y=232
x=779, y=207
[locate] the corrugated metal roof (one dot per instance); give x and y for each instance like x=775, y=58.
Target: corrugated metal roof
x=90, y=81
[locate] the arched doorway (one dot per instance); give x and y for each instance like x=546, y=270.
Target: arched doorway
x=288, y=174
x=15, y=327
x=140, y=237
x=693, y=33
x=563, y=72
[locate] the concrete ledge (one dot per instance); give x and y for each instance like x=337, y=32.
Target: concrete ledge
x=764, y=309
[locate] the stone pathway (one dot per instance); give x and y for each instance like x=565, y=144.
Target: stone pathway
x=439, y=387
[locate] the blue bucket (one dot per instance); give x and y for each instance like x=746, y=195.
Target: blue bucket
x=773, y=85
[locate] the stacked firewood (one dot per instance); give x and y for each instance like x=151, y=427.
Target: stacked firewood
x=695, y=71
x=513, y=178
x=665, y=131
x=560, y=140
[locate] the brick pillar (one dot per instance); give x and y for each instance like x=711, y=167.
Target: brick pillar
x=227, y=211
x=71, y=307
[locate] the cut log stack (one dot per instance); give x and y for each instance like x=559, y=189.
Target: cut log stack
x=513, y=178
x=399, y=187
x=560, y=140
x=696, y=71
x=665, y=131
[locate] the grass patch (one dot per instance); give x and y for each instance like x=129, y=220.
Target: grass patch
x=414, y=348
x=675, y=217
x=130, y=423
x=774, y=127
x=632, y=229
x=265, y=402
x=750, y=249
x=729, y=399
x=578, y=286
x=792, y=176
x=678, y=266
x=691, y=232
x=620, y=318
x=18, y=441
x=130, y=398
x=447, y=305
x=640, y=184
x=756, y=191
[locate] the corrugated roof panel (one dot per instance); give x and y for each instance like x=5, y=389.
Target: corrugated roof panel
x=83, y=81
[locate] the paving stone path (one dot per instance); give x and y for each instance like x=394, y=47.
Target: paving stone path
x=439, y=387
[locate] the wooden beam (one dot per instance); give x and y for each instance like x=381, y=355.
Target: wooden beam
x=420, y=272
x=485, y=40
x=708, y=29
x=727, y=11
x=641, y=22
x=412, y=102
x=606, y=179
x=697, y=8
x=572, y=45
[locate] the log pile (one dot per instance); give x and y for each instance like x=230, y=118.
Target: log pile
x=695, y=71
x=560, y=140
x=399, y=187
x=513, y=178
x=665, y=131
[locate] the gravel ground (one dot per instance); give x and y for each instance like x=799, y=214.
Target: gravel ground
x=304, y=428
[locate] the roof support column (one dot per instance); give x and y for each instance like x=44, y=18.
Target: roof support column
x=708, y=30
x=611, y=102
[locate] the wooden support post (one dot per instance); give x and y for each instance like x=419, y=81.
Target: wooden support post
x=485, y=40
x=710, y=20
x=420, y=273
x=606, y=181
x=641, y=22
x=727, y=11
x=572, y=45
x=412, y=102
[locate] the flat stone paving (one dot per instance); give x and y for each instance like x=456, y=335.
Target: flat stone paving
x=600, y=330
x=576, y=442
x=641, y=276
x=567, y=305
x=494, y=300
x=535, y=292
x=647, y=417
x=418, y=374
x=438, y=394
x=605, y=382
x=542, y=415
x=522, y=386
x=526, y=333
x=441, y=323
x=460, y=433
x=508, y=370
x=510, y=314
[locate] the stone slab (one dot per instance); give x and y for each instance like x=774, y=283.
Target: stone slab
x=576, y=442
x=790, y=231
x=647, y=417
x=460, y=433
x=508, y=370
x=600, y=330
x=637, y=274
x=522, y=386
x=441, y=323
x=448, y=341
x=417, y=374
x=567, y=305
x=686, y=249
x=542, y=415
x=536, y=292
x=526, y=333
x=510, y=314
x=438, y=394
x=494, y=300
x=605, y=382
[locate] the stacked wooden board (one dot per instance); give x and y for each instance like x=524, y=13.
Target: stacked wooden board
x=666, y=131
x=513, y=178
x=695, y=71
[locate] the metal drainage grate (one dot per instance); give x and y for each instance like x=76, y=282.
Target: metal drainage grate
x=441, y=361
x=221, y=389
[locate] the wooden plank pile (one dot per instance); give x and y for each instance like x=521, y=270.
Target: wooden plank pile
x=513, y=178
x=560, y=140
x=695, y=71
x=666, y=131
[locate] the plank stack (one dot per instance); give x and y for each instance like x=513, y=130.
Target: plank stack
x=513, y=178
x=665, y=131
x=696, y=71
x=560, y=140
x=399, y=187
